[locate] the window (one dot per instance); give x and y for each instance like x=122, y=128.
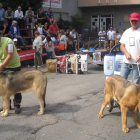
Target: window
x=107, y=1
x=115, y=0
x=99, y=1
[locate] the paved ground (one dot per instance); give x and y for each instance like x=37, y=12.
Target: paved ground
x=73, y=102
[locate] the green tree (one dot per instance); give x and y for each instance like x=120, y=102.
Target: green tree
x=35, y=4
x=77, y=21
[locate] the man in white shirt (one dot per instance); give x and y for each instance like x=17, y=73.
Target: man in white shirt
x=130, y=46
x=111, y=35
x=19, y=15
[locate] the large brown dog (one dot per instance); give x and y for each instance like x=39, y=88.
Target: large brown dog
x=126, y=94
x=23, y=81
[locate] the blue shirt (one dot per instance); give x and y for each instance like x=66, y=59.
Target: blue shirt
x=2, y=12
x=103, y=37
x=49, y=15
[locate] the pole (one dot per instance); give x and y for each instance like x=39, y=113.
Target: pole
x=35, y=58
x=50, y=3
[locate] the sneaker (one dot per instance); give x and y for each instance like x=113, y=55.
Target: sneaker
x=17, y=109
x=28, y=66
x=27, y=27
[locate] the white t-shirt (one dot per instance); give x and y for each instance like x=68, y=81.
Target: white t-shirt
x=131, y=39
x=73, y=34
x=40, y=29
x=15, y=30
x=18, y=14
x=111, y=35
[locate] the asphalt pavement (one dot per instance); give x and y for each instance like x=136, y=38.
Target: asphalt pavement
x=72, y=104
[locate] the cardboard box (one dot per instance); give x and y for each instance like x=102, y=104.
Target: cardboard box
x=61, y=64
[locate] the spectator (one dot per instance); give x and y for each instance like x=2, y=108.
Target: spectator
x=38, y=43
x=45, y=29
x=102, y=35
x=49, y=46
x=19, y=15
x=9, y=14
x=62, y=42
x=130, y=46
x=41, y=16
x=5, y=29
x=118, y=35
x=29, y=17
x=16, y=32
x=111, y=35
x=73, y=35
x=2, y=14
x=81, y=42
x=39, y=28
x=84, y=33
x=54, y=27
x=49, y=16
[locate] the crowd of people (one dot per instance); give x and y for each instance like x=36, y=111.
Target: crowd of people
x=109, y=35
x=46, y=34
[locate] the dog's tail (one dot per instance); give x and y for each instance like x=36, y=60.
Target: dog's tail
x=44, y=94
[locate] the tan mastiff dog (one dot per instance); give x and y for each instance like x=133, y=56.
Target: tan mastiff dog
x=126, y=94
x=21, y=82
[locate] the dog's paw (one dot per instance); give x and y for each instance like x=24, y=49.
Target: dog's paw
x=138, y=126
x=4, y=115
x=40, y=113
x=2, y=112
x=100, y=115
x=125, y=130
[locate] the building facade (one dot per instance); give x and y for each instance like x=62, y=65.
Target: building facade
x=63, y=8
x=101, y=13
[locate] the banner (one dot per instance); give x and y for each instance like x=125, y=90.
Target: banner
x=97, y=58
x=26, y=55
x=54, y=3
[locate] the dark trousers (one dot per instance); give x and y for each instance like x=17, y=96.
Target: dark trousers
x=17, y=97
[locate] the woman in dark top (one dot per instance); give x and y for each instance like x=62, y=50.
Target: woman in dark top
x=45, y=29
x=41, y=16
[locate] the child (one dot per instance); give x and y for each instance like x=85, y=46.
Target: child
x=39, y=28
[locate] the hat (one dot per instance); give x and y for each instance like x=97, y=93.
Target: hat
x=134, y=16
x=15, y=39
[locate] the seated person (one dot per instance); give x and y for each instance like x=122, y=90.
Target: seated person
x=19, y=15
x=29, y=17
x=16, y=32
x=81, y=42
x=39, y=28
x=49, y=16
x=45, y=29
x=5, y=29
x=54, y=28
x=41, y=17
x=9, y=14
x=2, y=14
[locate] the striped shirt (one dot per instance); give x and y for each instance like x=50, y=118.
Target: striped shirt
x=103, y=37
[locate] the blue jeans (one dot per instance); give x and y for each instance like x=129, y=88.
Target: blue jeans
x=63, y=52
x=15, y=36
x=125, y=70
x=49, y=55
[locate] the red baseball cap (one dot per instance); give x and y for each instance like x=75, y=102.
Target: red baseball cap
x=134, y=16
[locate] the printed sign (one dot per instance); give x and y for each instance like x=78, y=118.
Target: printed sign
x=26, y=55
x=97, y=58
x=54, y=3
x=61, y=64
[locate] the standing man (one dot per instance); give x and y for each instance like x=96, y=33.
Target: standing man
x=2, y=14
x=130, y=46
x=10, y=61
x=111, y=35
x=84, y=33
x=101, y=35
x=30, y=17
